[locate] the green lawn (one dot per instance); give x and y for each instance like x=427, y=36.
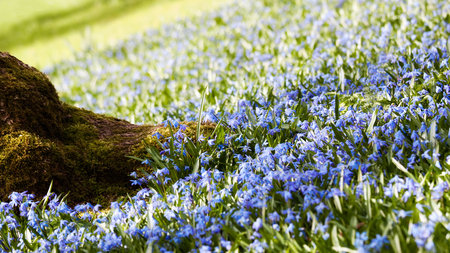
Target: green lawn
x=43, y=32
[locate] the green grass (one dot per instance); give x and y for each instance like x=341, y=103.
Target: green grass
x=44, y=32
x=14, y=12
x=39, y=25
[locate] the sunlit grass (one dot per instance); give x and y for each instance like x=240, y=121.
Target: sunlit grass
x=44, y=32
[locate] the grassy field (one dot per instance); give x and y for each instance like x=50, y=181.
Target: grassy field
x=332, y=133
x=44, y=32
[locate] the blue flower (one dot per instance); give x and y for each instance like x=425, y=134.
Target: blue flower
x=378, y=242
x=320, y=207
x=421, y=232
x=16, y=198
x=426, y=155
x=162, y=172
x=274, y=217
x=226, y=244
x=399, y=138
x=5, y=208
x=438, y=190
x=169, y=214
x=158, y=135
x=360, y=240
x=286, y=195
x=257, y=224
x=257, y=246
x=205, y=249
x=402, y=213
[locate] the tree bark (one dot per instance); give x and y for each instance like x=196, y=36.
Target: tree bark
x=43, y=139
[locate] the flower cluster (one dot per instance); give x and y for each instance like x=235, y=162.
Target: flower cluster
x=332, y=133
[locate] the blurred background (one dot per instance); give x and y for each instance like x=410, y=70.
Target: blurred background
x=43, y=32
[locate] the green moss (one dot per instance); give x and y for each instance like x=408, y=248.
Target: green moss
x=95, y=147
x=79, y=131
x=26, y=98
x=88, y=161
x=44, y=140
x=20, y=153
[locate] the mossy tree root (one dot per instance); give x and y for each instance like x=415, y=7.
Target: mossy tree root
x=43, y=139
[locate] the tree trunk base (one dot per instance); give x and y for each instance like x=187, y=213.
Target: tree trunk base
x=43, y=139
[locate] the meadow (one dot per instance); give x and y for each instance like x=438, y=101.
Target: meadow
x=332, y=133
x=44, y=32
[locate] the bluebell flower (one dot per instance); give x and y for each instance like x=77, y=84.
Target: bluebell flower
x=205, y=249
x=16, y=198
x=11, y=222
x=439, y=190
x=257, y=224
x=320, y=207
x=5, y=208
x=290, y=215
x=399, y=138
x=276, y=227
x=429, y=245
x=423, y=127
x=169, y=214
x=158, y=135
x=257, y=246
x=421, y=232
x=242, y=216
x=437, y=217
x=133, y=174
x=274, y=217
x=360, y=242
x=44, y=245
x=290, y=228
x=226, y=244
x=257, y=148
x=426, y=155
x=274, y=130
x=204, y=158
x=185, y=231
x=286, y=195
x=378, y=242
x=402, y=213
x=162, y=172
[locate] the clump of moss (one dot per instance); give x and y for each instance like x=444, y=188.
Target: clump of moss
x=20, y=153
x=96, y=147
x=26, y=98
x=44, y=140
